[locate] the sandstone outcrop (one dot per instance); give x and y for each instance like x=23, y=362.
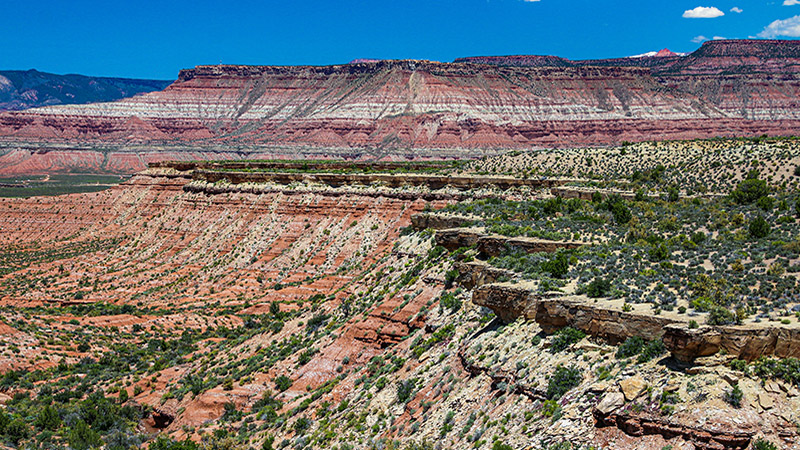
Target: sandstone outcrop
x=743, y=342
x=389, y=180
x=494, y=245
x=454, y=238
x=553, y=312
x=489, y=245
x=423, y=221
x=585, y=193
x=703, y=439
x=508, y=301
x=477, y=273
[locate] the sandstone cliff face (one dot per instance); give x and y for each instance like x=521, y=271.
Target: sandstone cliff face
x=417, y=109
x=609, y=323
x=742, y=342
x=422, y=221
x=395, y=181
x=494, y=244
x=751, y=79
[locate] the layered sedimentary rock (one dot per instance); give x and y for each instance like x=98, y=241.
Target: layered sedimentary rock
x=391, y=180
x=415, y=109
x=437, y=221
x=489, y=245
x=755, y=80
x=744, y=342
x=612, y=324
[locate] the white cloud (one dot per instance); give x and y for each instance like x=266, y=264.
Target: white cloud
x=788, y=27
x=703, y=12
x=791, y=2
x=701, y=38
x=737, y=10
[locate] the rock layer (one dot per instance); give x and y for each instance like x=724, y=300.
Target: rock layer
x=417, y=109
x=510, y=301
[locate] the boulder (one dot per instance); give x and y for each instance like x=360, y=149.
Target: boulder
x=610, y=402
x=632, y=387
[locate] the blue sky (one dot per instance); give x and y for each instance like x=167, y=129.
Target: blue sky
x=155, y=39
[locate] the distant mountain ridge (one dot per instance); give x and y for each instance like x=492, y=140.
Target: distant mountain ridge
x=23, y=89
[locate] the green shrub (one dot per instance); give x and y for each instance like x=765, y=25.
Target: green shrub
x=163, y=442
x=631, y=347
x=301, y=425
x=48, y=418
x=759, y=228
x=552, y=205
x=436, y=252
x=653, y=349
x=563, y=445
x=275, y=309
x=317, y=321
x=549, y=408
x=738, y=364
x=81, y=437
x=719, y=315
x=501, y=446
x=282, y=383
x=566, y=337
x=786, y=369
x=659, y=252
x=558, y=266
x=306, y=356
x=562, y=380
x=450, y=277
x=622, y=215
x=766, y=203
x=599, y=287
x=761, y=443
x=734, y=396
x=450, y=301
x=672, y=194
x=443, y=333
x=750, y=190
x=646, y=350
x=405, y=390
x=123, y=395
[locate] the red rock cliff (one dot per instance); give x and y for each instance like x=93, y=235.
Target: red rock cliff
x=419, y=109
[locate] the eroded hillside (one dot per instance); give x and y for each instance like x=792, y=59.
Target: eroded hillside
x=277, y=305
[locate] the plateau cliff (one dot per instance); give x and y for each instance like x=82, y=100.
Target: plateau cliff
x=417, y=109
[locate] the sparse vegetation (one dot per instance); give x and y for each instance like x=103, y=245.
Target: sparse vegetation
x=312, y=320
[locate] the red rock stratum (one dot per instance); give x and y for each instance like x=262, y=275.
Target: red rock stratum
x=413, y=109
